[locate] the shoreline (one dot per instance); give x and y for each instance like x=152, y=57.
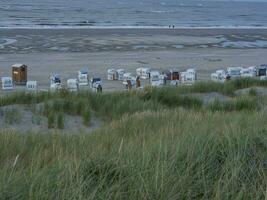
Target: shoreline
x=137, y=27
x=192, y=31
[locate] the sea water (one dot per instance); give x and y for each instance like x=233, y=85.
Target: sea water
x=131, y=13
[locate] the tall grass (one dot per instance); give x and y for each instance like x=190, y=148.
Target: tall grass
x=60, y=121
x=125, y=102
x=227, y=88
x=237, y=104
x=51, y=120
x=59, y=107
x=171, y=154
x=252, y=92
x=86, y=116
x=157, y=144
x=168, y=97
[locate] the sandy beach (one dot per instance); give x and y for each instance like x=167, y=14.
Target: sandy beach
x=65, y=51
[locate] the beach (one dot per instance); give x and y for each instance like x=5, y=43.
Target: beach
x=187, y=120
x=65, y=51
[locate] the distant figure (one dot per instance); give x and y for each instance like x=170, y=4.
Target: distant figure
x=228, y=77
x=129, y=84
x=169, y=26
x=99, y=88
x=173, y=26
x=138, y=82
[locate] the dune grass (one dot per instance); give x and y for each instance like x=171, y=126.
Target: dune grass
x=227, y=88
x=51, y=120
x=171, y=154
x=60, y=121
x=155, y=144
x=238, y=104
x=86, y=114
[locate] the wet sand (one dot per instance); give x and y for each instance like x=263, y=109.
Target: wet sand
x=66, y=51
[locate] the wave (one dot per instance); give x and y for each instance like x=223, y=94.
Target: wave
x=129, y=27
x=160, y=11
x=82, y=14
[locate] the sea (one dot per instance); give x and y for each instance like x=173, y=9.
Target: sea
x=131, y=13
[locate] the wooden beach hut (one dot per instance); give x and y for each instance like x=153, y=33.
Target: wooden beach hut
x=19, y=74
x=174, y=75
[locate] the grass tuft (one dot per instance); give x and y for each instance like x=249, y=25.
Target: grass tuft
x=170, y=154
x=51, y=120
x=60, y=121
x=86, y=116
x=253, y=92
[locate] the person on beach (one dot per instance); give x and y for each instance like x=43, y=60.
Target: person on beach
x=138, y=82
x=99, y=89
x=129, y=85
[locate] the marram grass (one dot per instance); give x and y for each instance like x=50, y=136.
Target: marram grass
x=155, y=144
x=171, y=154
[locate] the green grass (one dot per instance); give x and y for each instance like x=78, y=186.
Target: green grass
x=155, y=144
x=238, y=104
x=176, y=154
x=170, y=98
x=86, y=116
x=227, y=88
x=51, y=120
x=252, y=92
x=60, y=121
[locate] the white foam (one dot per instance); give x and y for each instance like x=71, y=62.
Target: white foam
x=245, y=44
x=159, y=11
x=7, y=42
x=135, y=27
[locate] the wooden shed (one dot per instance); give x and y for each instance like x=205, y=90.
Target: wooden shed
x=175, y=75
x=19, y=74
